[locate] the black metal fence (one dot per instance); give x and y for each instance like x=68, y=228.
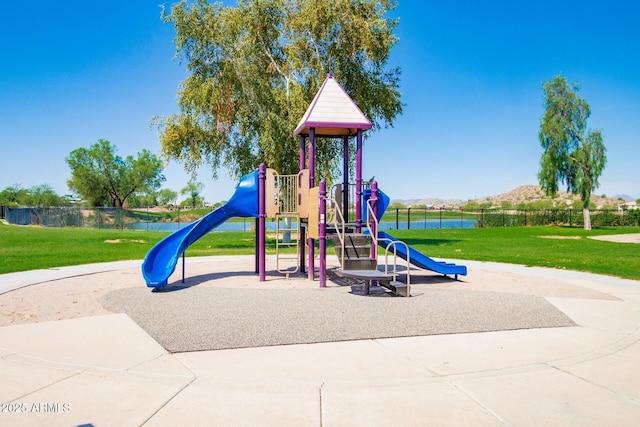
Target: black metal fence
x=412, y=218
x=472, y=218
x=104, y=218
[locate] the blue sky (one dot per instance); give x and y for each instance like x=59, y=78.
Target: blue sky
x=73, y=72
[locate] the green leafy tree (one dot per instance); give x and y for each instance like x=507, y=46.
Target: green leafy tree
x=193, y=190
x=104, y=178
x=255, y=68
x=573, y=154
x=506, y=204
x=167, y=196
x=42, y=195
x=397, y=205
x=13, y=195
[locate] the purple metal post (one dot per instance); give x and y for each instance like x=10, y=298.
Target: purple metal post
x=303, y=165
x=374, y=230
x=256, y=251
x=359, y=181
x=303, y=162
x=312, y=183
x=312, y=157
x=345, y=177
x=322, y=233
x=262, y=209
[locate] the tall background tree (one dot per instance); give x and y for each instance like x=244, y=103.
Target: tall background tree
x=193, y=190
x=573, y=154
x=103, y=178
x=38, y=195
x=253, y=69
x=167, y=197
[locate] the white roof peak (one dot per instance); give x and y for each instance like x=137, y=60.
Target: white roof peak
x=332, y=113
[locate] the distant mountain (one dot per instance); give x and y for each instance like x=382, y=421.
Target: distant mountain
x=523, y=194
x=533, y=193
x=625, y=197
x=430, y=202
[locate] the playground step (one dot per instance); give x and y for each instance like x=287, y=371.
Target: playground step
x=352, y=239
x=354, y=243
x=350, y=227
x=384, y=279
x=353, y=251
x=398, y=288
x=364, y=263
x=357, y=250
x=365, y=275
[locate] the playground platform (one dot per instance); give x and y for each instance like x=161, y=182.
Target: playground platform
x=506, y=345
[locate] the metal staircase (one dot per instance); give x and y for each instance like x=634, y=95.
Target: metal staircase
x=354, y=252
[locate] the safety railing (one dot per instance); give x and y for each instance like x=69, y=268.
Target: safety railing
x=336, y=218
x=373, y=231
x=287, y=186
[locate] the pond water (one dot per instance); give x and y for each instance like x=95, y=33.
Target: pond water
x=249, y=224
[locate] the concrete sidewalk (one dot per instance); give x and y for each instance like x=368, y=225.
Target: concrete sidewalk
x=106, y=371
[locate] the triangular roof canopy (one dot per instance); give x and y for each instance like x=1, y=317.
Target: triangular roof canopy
x=332, y=113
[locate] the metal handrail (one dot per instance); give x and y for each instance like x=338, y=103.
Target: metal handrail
x=394, y=243
x=337, y=212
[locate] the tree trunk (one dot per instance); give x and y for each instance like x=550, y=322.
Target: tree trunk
x=587, y=217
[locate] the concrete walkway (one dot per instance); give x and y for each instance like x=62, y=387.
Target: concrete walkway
x=105, y=370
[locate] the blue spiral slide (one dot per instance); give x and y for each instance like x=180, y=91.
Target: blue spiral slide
x=161, y=260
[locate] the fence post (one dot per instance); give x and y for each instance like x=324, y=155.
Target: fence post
x=397, y=218
x=409, y=218
x=425, y=217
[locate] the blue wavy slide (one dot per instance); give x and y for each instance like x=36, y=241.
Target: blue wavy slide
x=161, y=260
x=421, y=260
x=416, y=258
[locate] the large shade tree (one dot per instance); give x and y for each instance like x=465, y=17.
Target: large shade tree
x=102, y=177
x=253, y=69
x=573, y=154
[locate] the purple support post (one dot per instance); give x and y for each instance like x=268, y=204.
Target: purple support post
x=183, y=266
x=303, y=153
x=303, y=164
x=312, y=157
x=256, y=251
x=359, y=181
x=345, y=177
x=312, y=183
x=322, y=233
x=262, y=214
x=374, y=230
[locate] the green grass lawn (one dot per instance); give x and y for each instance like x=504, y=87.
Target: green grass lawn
x=28, y=248
x=546, y=246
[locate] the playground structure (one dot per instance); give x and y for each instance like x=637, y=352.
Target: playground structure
x=306, y=212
